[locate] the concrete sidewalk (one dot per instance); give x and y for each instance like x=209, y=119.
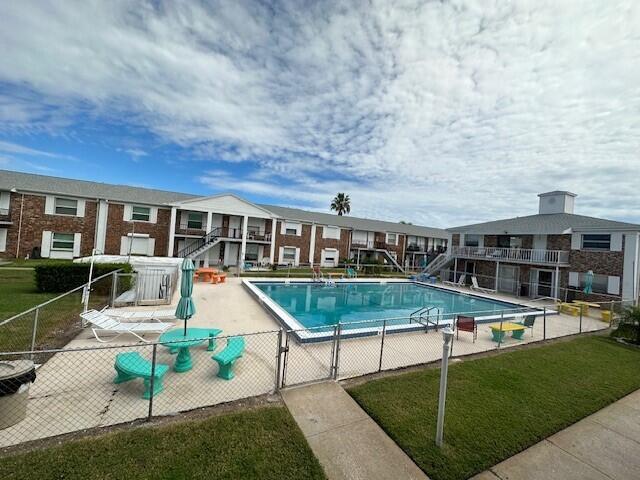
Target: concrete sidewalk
x=346, y=441
x=605, y=445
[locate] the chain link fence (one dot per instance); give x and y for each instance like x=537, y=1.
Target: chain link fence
x=84, y=388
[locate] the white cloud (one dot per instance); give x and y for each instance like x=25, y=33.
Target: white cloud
x=437, y=112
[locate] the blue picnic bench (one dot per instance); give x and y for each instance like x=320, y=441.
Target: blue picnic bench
x=131, y=365
x=228, y=356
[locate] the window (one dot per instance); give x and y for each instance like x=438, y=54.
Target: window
x=66, y=206
x=251, y=254
x=289, y=254
x=140, y=214
x=506, y=241
x=471, y=240
x=392, y=239
x=331, y=232
x=600, y=283
x=596, y=242
x=62, y=241
x=194, y=220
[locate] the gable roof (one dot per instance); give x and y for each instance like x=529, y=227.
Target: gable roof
x=355, y=223
x=551, y=223
x=29, y=182
x=228, y=203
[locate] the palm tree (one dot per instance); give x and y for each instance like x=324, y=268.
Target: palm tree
x=341, y=204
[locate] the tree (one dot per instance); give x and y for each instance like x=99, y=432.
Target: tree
x=405, y=223
x=341, y=204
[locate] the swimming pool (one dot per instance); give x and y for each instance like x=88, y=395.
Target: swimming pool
x=363, y=306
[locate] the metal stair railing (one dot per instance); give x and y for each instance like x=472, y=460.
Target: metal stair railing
x=201, y=242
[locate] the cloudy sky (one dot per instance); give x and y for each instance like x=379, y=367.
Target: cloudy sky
x=439, y=113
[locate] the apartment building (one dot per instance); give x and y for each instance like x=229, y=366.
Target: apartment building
x=53, y=217
x=552, y=251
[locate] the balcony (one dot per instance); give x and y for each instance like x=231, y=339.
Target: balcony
x=514, y=255
x=369, y=244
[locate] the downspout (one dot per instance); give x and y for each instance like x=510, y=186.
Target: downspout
x=95, y=229
x=20, y=225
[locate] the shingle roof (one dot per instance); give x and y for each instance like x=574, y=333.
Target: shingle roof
x=356, y=223
x=552, y=223
x=30, y=182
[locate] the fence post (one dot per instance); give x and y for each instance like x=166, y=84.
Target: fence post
x=580, y=325
x=447, y=335
x=35, y=329
x=114, y=285
x=278, y=360
x=333, y=351
x=544, y=323
x=611, y=314
x=152, y=380
x=501, y=332
x=384, y=333
x=337, y=364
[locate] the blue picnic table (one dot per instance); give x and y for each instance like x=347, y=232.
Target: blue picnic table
x=176, y=341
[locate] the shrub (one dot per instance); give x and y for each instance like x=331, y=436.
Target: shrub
x=61, y=277
x=629, y=325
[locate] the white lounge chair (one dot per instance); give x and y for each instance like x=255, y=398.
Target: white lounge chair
x=104, y=323
x=167, y=313
x=460, y=283
x=478, y=288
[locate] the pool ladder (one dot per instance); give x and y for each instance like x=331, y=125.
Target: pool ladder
x=424, y=317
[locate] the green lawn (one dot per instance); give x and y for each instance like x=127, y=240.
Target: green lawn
x=27, y=263
x=19, y=293
x=264, y=443
x=500, y=405
x=56, y=322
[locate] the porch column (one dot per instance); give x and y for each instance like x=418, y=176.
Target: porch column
x=209, y=222
x=497, y=273
x=312, y=244
x=172, y=231
x=455, y=269
x=557, y=284
x=272, y=246
x=243, y=246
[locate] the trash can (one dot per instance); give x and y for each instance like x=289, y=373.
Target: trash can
x=15, y=379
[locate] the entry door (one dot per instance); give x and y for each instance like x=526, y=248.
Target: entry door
x=544, y=283
x=470, y=270
x=508, y=278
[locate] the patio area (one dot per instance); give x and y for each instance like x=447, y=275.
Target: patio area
x=74, y=389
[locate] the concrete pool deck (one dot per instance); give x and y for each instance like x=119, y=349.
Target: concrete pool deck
x=75, y=390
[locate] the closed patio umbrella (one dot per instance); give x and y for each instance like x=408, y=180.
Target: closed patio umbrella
x=186, y=308
x=588, y=282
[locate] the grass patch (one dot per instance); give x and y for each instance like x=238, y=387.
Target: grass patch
x=19, y=292
x=498, y=406
x=57, y=322
x=264, y=443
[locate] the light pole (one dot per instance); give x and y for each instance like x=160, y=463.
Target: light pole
x=447, y=335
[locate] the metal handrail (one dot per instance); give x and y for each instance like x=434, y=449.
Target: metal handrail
x=210, y=237
x=528, y=255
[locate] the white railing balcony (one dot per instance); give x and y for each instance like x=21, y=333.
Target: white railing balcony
x=514, y=255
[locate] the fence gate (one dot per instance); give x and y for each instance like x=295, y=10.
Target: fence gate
x=308, y=362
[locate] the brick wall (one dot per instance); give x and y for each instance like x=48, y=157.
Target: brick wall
x=455, y=240
x=117, y=227
x=558, y=242
x=302, y=242
x=35, y=221
x=342, y=245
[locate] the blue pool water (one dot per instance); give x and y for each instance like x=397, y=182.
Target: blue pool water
x=317, y=305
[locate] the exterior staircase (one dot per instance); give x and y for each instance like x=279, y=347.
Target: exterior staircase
x=393, y=260
x=438, y=263
x=202, y=244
